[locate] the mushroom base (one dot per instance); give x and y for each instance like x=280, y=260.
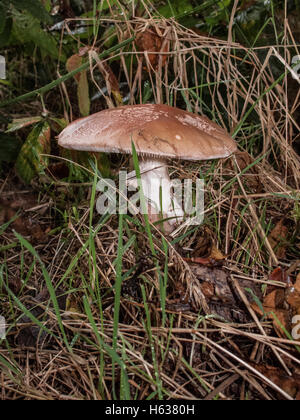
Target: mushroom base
x=158, y=190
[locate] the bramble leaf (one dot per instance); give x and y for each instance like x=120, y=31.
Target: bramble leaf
x=30, y=161
x=20, y=123
x=35, y=8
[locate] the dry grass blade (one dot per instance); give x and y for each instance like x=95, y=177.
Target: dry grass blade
x=203, y=340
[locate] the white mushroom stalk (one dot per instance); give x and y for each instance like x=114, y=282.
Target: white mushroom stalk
x=158, y=191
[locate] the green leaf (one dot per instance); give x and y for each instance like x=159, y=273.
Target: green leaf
x=60, y=122
x=26, y=29
x=3, y=15
x=103, y=6
x=176, y=7
x=107, y=4
x=5, y=82
x=6, y=33
x=35, y=8
x=47, y=5
x=30, y=161
x=20, y=123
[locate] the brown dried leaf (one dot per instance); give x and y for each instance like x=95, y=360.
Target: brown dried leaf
x=84, y=103
x=274, y=300
x=280, y=275
x=112, y=83
x=216, y=254
x=214, y=283
x=73, y=63
x=293, y=295
x=293, y=298
x=204, y=245
x=278, y=239
x=151, y=42
x=58, y=170
x=281, y=319
x=297, y=284
x=207, y=262
x=208, y=290
x=23, y=224
x=244, y=160
x=257, y=309
x=274, y=310
x=290, y=385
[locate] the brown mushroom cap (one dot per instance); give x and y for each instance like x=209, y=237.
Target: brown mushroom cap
x=158, y=131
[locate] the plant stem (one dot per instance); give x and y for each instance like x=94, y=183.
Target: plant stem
x=64, y=78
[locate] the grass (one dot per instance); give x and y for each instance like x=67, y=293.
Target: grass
x=112, y=307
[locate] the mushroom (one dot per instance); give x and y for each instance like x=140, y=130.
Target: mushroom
x=159, y=132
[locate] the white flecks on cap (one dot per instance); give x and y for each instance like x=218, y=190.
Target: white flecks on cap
x=158, y=131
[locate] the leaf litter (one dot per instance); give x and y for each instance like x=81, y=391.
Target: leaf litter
x=236, y=347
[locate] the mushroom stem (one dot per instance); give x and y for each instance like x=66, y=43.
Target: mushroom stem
x=158, y=190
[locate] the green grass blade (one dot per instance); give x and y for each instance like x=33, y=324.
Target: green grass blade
x=118, y=286
x=50, y=287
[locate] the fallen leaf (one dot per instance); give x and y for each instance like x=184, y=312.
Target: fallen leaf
x=290, y=385
x=31, y=334
x=293, y=295
x=215, y=257
x=73, y=306
x=207, y=262
x=151, y=42
x=280, y=305
x=274, y=300
x=14, y=212
x=216, y=254
x=112, y=83
x=208, y=290
x=274, y=309
x=281, y=322
x=83, y=95
x=297, y=284
x=59, y=170
x=204, y=244
x=245, y=160
x=73, y=63
x=280, y=276
x=293, y=298
x=214, y=283
x=278, y=239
